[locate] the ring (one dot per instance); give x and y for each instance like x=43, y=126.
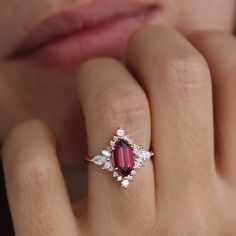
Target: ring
x=122, y=157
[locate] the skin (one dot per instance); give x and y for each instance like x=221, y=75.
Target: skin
x=182, y=78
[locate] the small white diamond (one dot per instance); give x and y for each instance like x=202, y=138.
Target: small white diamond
x=106, y=153
x=126, y=138
x=130, y=177
x=99, y=160
x=125, y=183
x=138, y=163
x=119, y=178
x=133, y=173
x=115, y=139
x=144, y=155
x=130, y=141
x=120, y=133
x=107, y=165
x=112, y=143
x=137, y=150
x=115, y=174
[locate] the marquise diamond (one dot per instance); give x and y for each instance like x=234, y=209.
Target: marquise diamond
x=99, y=160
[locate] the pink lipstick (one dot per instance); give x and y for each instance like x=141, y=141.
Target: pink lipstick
x=62, y=41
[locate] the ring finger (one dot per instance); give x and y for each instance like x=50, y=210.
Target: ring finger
x=116, y=100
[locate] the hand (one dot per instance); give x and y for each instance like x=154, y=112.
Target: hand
x=188, y=188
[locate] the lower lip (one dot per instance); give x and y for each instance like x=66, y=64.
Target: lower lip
x=65, y=54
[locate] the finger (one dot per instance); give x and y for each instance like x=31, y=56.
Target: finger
x=177, y=81
x=110, y=99
x=219, y=50
x=37, y=196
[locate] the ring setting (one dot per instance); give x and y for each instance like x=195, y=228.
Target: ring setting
x=122, y=158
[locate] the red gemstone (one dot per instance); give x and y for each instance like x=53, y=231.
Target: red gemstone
x=123, y=159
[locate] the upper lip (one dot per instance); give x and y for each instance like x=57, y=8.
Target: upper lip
x=77, y=19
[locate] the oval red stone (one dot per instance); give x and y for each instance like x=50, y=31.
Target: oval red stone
x=123, y=159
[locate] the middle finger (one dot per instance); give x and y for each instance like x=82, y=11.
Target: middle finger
x=178, y=83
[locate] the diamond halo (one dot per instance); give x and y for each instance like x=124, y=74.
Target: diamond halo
x=122, y=158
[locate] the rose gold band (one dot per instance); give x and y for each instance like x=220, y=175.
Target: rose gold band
x=87, y=159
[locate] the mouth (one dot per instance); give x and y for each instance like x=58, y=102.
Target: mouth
x=63, y=41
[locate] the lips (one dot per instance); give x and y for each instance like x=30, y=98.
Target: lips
x=61, y=42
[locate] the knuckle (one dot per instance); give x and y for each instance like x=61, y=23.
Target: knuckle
x=30, y=167
x=23, y=158
x=16, y=136
x=184, y=67
x=23, y=131
x=186, y=73
x=123, y=108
